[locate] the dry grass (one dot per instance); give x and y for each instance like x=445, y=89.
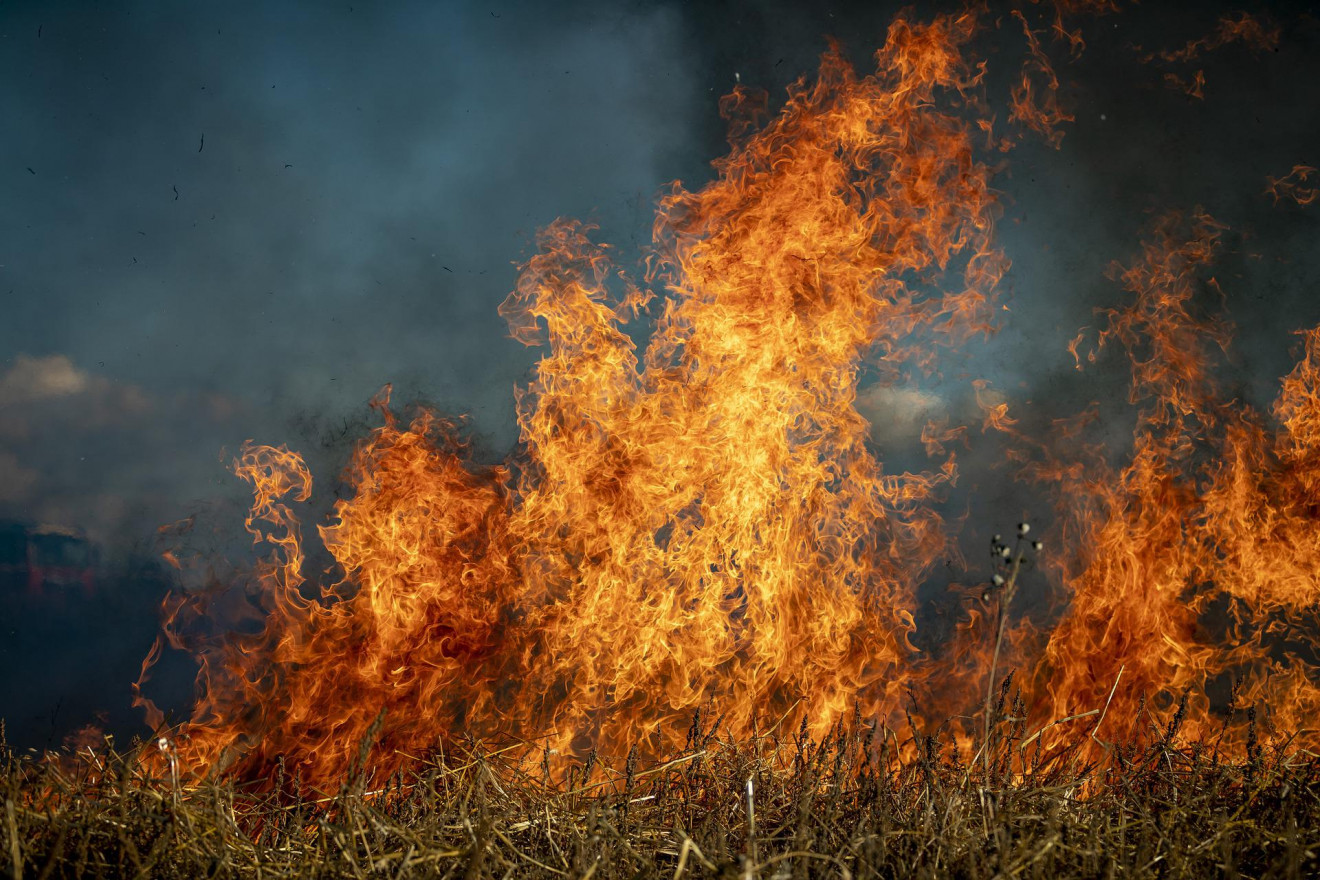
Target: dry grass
x=851, y=806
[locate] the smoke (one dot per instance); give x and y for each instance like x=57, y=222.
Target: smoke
x=224, y=221
x=253, y=215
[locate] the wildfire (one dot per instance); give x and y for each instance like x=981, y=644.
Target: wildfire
x=1193, y=569
x=705, y=522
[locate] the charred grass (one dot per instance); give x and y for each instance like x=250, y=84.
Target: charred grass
x=863, y=802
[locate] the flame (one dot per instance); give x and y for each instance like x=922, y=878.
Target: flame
x=1196, y=560
x=993, y=406
x=1295, y=185
x=1254, y=33
x=1257, y=34
x=706, y=524
x=1194, y=86
x=1037, y=107
x=1065, y=8
x=700, y=524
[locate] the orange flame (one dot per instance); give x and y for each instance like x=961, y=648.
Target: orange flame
x=1252, y=32
x=1256, y=34
x=1196, y=560
x=1294, y=185
x=1037, y=107
x=1065, y=8
x=706, y=523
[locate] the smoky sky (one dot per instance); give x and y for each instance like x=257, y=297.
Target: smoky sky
x=240, y=220
x=253, y=213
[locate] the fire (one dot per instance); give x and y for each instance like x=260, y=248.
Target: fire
x=1257, y=34
x=700, y=524
x=1037, y=107
x=1295, y=185
x=705, y=523
x=1196, y=560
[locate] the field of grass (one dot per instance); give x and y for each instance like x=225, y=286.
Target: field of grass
x=862, y=803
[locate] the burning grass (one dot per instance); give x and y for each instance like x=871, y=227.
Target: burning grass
x=709, y=517
x=708, y=522
x=861, y=802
